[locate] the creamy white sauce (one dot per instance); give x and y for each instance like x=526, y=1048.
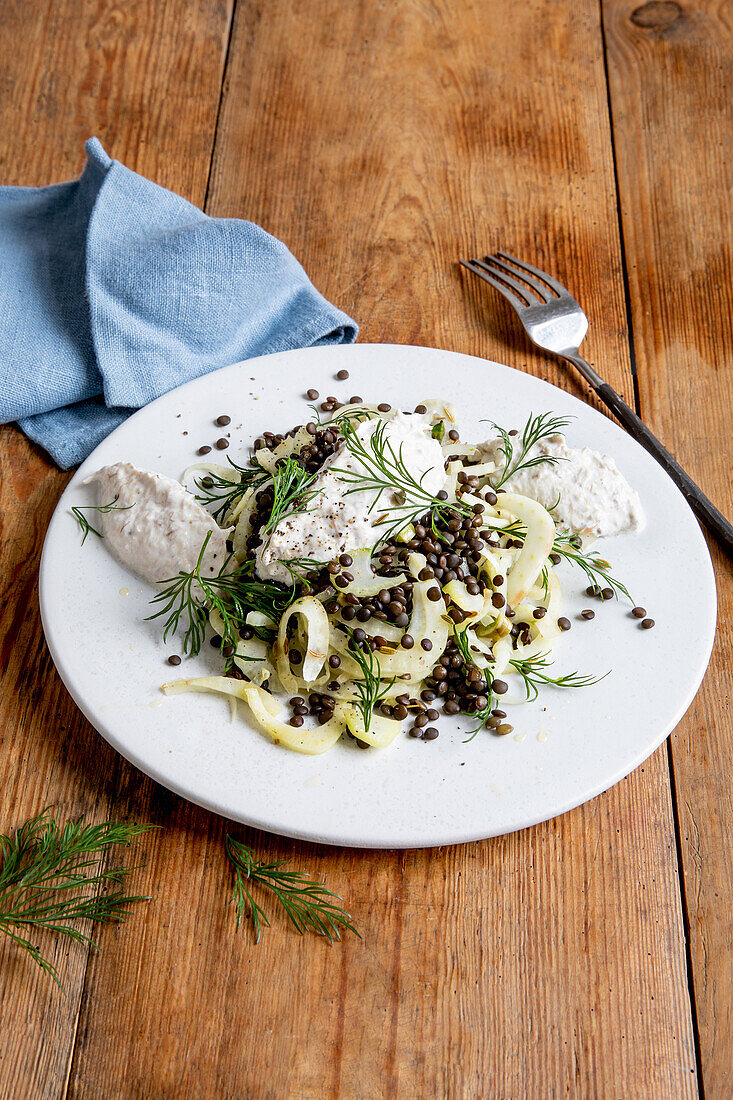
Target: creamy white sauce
x=163, y=530
x=339, y=521
x=595, y=497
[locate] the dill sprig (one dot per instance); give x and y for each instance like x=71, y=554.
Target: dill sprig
x=85, y=525
x=51, y=878
x=532, y=671
x=214, y=488
x=306, y=902
x=593, y=565
x=482, y=716
x=536, y=429
x=384, y=471
x=189, y=597
x=570, y=548
x=291, y=493
x=350, y=415
x=460, y=640
x=180, y=600
x=301, y=570
x=371, y=689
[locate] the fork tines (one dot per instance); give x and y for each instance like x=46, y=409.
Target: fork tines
x=521, y=284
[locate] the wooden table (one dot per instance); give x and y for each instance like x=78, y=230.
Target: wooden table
x=588, y=957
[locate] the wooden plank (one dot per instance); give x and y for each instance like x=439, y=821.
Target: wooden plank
x=670, y=72
x=381, y=141
x=146, y=79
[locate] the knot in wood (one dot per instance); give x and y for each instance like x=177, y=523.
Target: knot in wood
x=657, y=15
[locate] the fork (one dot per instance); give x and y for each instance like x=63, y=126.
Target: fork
x=554, y=321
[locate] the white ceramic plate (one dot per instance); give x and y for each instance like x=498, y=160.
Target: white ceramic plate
x=567, y=747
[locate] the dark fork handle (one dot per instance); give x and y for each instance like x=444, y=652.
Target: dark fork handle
x=703, y=508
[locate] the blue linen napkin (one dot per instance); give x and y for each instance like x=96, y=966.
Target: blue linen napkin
x=114, y=290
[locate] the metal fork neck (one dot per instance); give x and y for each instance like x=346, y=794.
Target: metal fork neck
x=574, y=356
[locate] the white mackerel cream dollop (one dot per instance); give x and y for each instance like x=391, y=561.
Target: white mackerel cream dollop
x=595, y=497
x=339, y=521
x=165, y=528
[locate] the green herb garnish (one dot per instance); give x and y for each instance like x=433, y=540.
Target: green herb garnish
x=593, y=565
x=85, y=525
x=481, y=715
x=300, y=570
x=531, y=669
x=51, y=878
x=370, y=690
x=385, y=472
x=216, y=489
x=536, y=429
x=291, y=492
x=306, y=902
x=350, y=415
x=460, y=639
x=189, y=597
x=569, y=548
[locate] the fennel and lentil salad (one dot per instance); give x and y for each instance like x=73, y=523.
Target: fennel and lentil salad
x=368, y=568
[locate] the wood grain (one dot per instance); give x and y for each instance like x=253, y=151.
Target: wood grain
x=146, y=79
x=380, y=142
x=671, y=70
